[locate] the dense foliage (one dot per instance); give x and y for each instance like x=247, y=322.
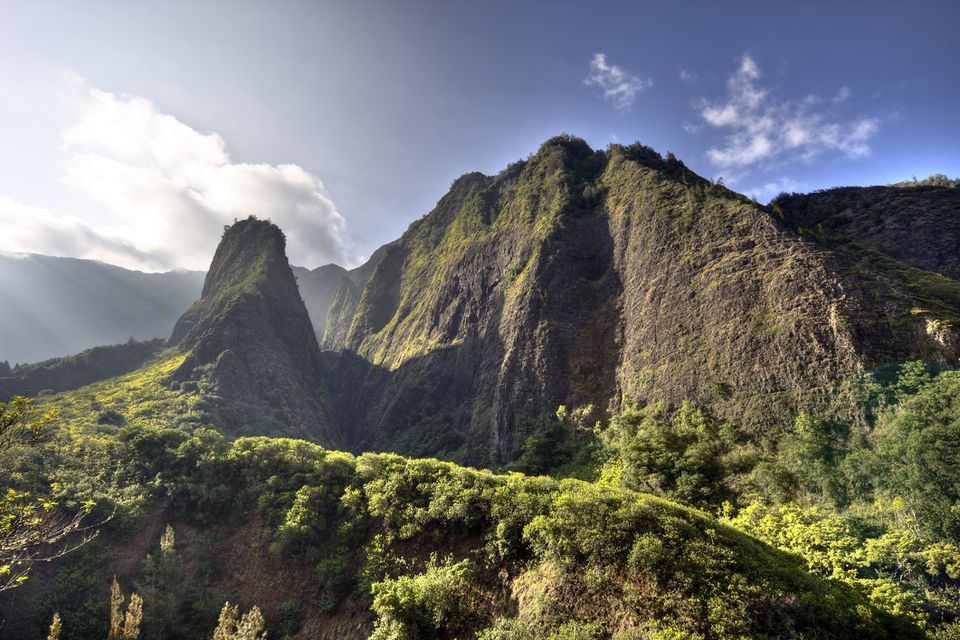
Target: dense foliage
x=72, y=372
x=433, y=550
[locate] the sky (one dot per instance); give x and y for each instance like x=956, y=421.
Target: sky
x=133, y=132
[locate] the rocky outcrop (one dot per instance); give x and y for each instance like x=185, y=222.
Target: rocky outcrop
x=249, y=342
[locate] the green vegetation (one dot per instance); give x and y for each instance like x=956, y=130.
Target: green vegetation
x=72, y=372
x=873, y=506
x=33, y=527
x=934, y=180
x=433, y=550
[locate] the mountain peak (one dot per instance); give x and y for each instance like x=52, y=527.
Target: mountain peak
x=249, y=338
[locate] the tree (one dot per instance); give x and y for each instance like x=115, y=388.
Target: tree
x=677, y=454
x=234, y=626
x=124, y=626
x=32, y=529
x=163, y=589
x=55, y=627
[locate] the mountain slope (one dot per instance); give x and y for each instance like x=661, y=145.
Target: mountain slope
x=919, y=226
x=320, y=286
x=72, y=372
x=58, y=306
x=332, y=545
x=583, y=277
x=249, y=341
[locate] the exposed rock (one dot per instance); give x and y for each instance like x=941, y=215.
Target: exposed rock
x=583, y=277
x=249, y=338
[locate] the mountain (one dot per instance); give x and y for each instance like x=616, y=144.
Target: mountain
x=590, y=278
x=249, y=342
x=72, y=372
x=58, y=306
x=319, y=286
x=916, y=225
x=790, y=373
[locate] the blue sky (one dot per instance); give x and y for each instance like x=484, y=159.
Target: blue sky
x=131, y=132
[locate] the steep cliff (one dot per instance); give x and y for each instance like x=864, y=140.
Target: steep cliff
x=249, y=341
x=586, y=277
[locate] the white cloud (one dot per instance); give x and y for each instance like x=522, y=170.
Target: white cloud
x=842, y=95
x=763, y=130
x=29, y=229
x=166, y=192
x=766, y=192
x=617, y=84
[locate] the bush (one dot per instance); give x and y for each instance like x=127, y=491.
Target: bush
x=436, y=604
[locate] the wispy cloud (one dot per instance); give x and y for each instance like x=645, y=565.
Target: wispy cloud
x=767, y=191
x=842, y=95
x=617, y=84
x=167, y=190
x=764, y=130
x=687, y=76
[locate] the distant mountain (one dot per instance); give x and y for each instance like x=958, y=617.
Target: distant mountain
x=319, y=286
x=249, y=342
x=58, y=306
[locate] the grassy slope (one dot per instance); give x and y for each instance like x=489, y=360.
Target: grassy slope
x=71, y=372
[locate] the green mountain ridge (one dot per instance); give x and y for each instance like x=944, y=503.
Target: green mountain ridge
x=583, y=277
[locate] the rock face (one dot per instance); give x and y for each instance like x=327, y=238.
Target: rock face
x=577, y=277
x=249, y=341
x=585, y=277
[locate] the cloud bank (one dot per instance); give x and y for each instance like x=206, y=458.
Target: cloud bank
x=618, y=85
x=762, y=130
x=166, y=192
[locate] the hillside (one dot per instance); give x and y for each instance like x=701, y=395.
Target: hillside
x=332, y=545
x=916, y=225
x=581, y=278
x=72, y=372
x=53, y=307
